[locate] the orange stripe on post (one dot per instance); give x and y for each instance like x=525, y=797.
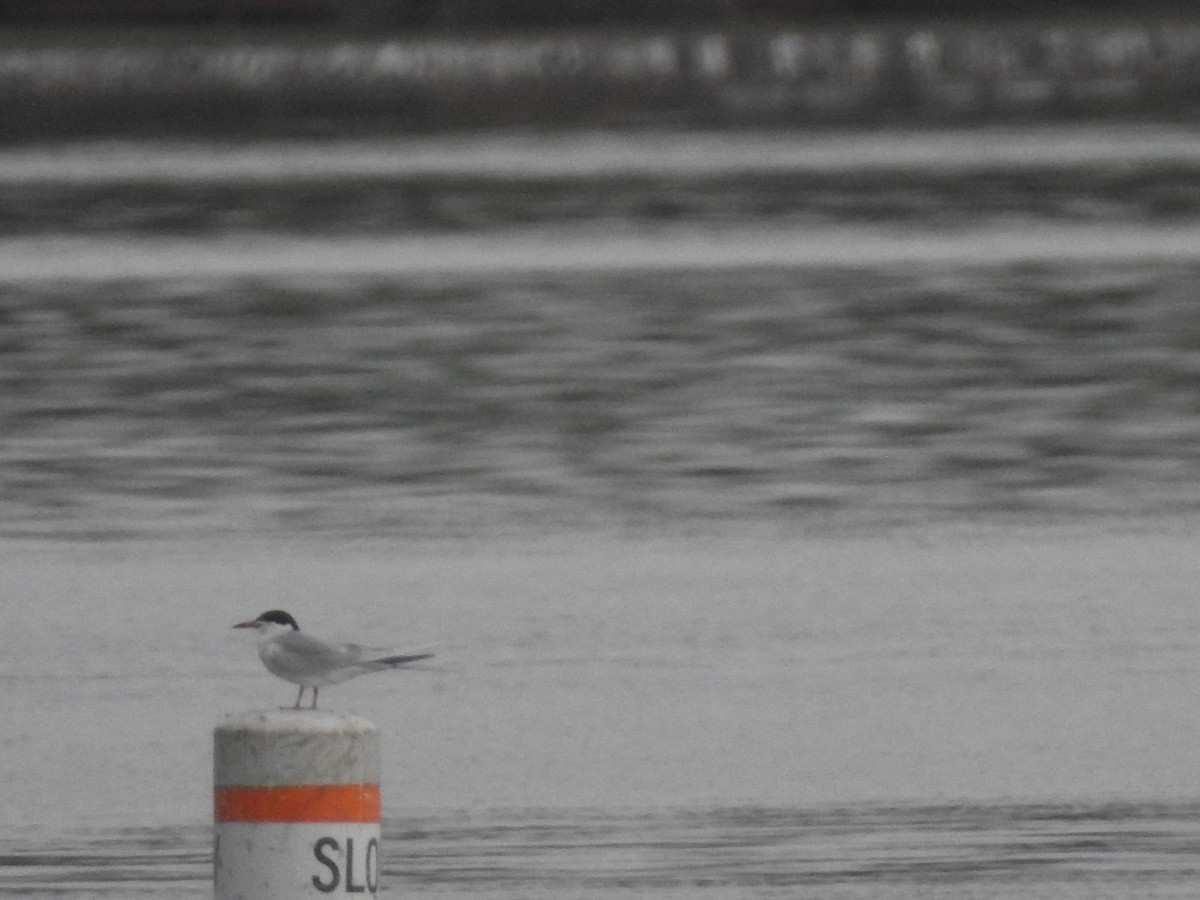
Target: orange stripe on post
x=298, y=803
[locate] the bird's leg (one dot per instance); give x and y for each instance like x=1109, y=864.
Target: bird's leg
x=299, y=697
x=314, y=703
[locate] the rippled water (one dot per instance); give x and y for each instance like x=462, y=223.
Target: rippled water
x=449, y=334
x=859, y=852
x=797, y=515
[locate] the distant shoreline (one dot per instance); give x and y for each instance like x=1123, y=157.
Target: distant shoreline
x=301, y=83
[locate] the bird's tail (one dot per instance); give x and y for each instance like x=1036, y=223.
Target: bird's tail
x=393, y=661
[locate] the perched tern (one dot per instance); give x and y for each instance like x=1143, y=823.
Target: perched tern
x=311, y=662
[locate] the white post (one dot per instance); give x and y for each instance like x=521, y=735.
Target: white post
x=296, y=806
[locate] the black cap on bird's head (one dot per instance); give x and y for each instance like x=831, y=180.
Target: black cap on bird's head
x=271, y=617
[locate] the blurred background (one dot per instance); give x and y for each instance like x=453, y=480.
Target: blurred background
x=570, y=13
x=420, y=266
x=87, y=67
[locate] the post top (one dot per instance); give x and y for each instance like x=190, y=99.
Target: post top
x=294, y=747
x=313, y=721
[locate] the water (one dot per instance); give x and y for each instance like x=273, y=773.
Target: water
x=796, y=516
x=1046, y=851
x=991, y=712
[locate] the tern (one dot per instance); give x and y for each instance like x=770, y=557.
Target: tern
x=311, y=662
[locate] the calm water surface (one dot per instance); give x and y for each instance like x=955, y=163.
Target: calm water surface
x=993, y=711
x=669, y=443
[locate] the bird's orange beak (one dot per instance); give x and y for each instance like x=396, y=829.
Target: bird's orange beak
x=253, y=623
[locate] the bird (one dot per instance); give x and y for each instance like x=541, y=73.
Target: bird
x=311, y=662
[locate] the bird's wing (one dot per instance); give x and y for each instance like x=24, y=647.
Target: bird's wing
x=298, y=655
